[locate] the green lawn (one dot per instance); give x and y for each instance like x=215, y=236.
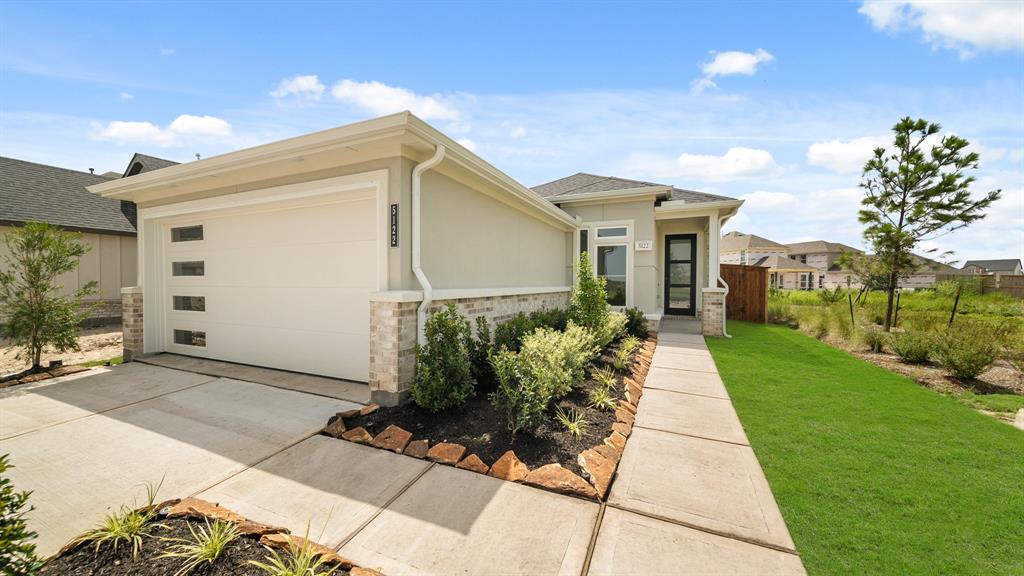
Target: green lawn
x=873, y=473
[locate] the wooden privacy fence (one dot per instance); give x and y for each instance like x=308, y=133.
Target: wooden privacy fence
x=1009, y=284
x=748, y=292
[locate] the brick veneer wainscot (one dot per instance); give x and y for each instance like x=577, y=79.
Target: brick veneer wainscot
x=712, y=318
x=131, y=322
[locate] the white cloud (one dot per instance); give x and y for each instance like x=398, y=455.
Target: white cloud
x=518, y=132
x=845, y=156
x=737, y=163
x=308, y=86
x=963, y=26
x=467, y=143
x=699, y=85
x=166, y=51
x=126, y=132
x=380, y=99
x=735, y=62
x=125, y=97
x=761, y=201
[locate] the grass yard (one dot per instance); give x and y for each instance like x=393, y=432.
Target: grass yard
x=873, y=473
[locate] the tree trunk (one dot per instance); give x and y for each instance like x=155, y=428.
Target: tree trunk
x=37, y=350
x=890, y=295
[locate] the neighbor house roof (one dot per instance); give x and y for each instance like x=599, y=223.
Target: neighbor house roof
x=37, y=192
x=583, y=183
x=142, y=163
x=820, y=247
x=1007, y=265
x=783, y=263
x=740, y=241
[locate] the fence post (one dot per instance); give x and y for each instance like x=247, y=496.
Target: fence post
x=956, y=302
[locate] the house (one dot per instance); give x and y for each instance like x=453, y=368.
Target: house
x=1010, y=266
x=823, y=256
x=37, y=192
x=324, y=253
x=789, y=274
x=749, y=249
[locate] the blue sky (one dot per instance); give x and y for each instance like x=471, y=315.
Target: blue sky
x=776, y=103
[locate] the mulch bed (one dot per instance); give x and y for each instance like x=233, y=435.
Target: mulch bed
x=483, y=432
x=173, y=522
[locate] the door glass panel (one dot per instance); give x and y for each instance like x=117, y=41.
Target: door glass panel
x=583, y=241
x=612, y=232
x=679, y=250
x=679, y=298
x=680, y=273
x=611, y=265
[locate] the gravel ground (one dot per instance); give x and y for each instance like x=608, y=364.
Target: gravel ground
x=100, y=343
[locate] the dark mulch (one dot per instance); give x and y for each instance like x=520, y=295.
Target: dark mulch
x=483, y=431
x=86, y=561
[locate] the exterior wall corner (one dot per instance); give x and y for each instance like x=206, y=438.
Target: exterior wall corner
x=712, y=318
x=132, y=326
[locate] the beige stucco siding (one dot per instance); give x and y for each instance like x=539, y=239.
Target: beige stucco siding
x=473, y=240
x=110, y=262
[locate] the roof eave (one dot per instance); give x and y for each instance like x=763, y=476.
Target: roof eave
x=682, y=208
x=654, y=192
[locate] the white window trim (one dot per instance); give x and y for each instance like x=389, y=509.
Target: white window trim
x=593, y=242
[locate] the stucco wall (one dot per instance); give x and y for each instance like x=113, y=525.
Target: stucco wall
x=473, y=240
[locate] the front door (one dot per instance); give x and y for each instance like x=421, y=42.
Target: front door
x=680, y=274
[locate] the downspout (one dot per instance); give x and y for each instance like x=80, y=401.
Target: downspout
x=718, y=273
x=428, y=290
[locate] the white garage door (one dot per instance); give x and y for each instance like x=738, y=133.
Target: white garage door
x=283, y=286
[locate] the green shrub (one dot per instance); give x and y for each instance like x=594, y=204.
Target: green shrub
x=17, y=551
x=601, y=398
x=205, y=547
x=588, y=306
x=840, y=324
x=444, y=373
x=510, y=333
x=780, y=311
x=967, y=350
x=519, y=397
x=557, y=359
x=479, y=352
x=128, y=526
x=636, y=322
x=612, y=329
x=574, y=422
x=829, y=297
x=554, y=319
x=873, y=338
x=912, y=346
x=605, y=377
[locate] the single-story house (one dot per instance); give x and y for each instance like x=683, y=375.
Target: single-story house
x=749, y=249
x=1010, y=266
x=324, y=253
x=789, y=274
x=37, y=192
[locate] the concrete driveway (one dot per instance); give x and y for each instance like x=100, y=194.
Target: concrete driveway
x=87, y=444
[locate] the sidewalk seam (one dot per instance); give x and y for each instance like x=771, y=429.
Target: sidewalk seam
x=381, y=509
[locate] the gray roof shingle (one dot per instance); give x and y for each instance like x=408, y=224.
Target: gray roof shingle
x=37, y=192
x=142, y=163
x=583, y=183
x=1006, y=265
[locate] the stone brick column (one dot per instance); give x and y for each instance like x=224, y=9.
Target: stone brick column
x=712, y=318
x=392, y=350
x=131, y=322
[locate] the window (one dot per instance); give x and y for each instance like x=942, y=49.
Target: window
x=803, y=258
x=190, y=338
x=188, y=268
x=616, y=232
x=821, y=281
x=584, y=233
x=803, y=281
x=611, y=265
x=190, y=303
x=187, y=234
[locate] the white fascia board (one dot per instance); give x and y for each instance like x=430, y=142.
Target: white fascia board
x=682, y=209
x=464, y=293
x=623, y=194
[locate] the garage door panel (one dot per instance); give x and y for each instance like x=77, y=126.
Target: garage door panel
x=330, y=354
x=272, y=227
x=351, y=264
x=300, y=308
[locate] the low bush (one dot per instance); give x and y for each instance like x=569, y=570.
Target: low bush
x=510, y=333
x=780, y=311
x=444, y=373
x=479, y=352
x=968, y=350
x=829, y=297
x=17, y=551
x=912, y=346
x=873, y=338
x=588, y=305
x=555, y=319
x=840, y=324
x=558, y=359
x=636, y=322
x=519, y=397
x=611, y=330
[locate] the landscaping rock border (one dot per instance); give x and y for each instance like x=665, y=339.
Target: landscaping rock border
x=599, y=463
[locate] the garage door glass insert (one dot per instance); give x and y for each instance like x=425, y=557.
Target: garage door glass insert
x=190, y=338
x=187, y=234
x=190, y=303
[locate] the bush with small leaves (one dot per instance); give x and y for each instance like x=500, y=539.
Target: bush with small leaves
x=519, y=397
x=912, y=346
x=510, y=333
x=967, y=350
x=588, y=305
x=611, y=330
x=873, y=338
x=17, y=552
x=444, y=373
x=555, y=319
x=557, y=359
x=479, y=352
x=636, y=322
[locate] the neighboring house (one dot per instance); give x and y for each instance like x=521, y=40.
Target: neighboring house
x=789, y=274
x=822, y=255
x=928, y=272
x=1009, y=266
x=37, y=192
x=324, y=253
x=749, y=249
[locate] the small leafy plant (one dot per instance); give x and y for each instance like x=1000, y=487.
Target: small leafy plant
x=611, y=329
x=605, y=377
x=636, y=322
x=912, y=346
x=479, y=352
x=127, y=526
x=17, y=551
x=519, y=397
x=297, y=560
x=968, y=350
x=205, y=547
x=588, y=305
x=601, y=398
x=574, y=422
x=444, y=373
x=873, y=338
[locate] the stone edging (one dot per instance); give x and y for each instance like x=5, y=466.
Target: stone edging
x=598, y=463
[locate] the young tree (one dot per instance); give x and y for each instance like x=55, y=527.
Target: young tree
x=36, y=316
x=17, y=552
x=914, y=195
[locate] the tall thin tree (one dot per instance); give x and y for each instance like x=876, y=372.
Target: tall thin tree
x=915, y=192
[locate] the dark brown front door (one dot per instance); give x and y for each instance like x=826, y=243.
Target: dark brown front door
x=680, y=274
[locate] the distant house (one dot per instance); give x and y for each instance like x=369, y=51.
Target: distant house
x=823, y=256
x=37, y=192
x=748, y=249
x=983, y=267
x=789, y=274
